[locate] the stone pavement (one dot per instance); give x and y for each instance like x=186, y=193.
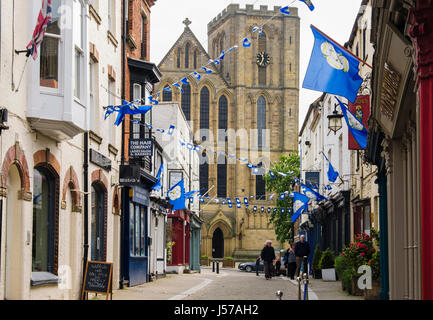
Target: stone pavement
x=229, y=284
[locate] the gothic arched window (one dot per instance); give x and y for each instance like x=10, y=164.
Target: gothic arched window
x=260, y=188
x=222, y=116
x=261, y=121
x=204, y=174
x=187, y=56
x=262, y=48
x=195, y=59
x=222, y=176
x=178, y=57
x=186, y=101
x=204, y=110
x=167, y=95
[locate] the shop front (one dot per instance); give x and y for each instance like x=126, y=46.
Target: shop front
x=195, y=229
x=178, y=237
x=136, y=241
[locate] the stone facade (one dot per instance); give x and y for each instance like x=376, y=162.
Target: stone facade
x=237, y=78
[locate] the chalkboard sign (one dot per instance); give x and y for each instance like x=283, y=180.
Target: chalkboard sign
x=98, y=278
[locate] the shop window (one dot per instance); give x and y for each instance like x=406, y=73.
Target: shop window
x=44, y=207
x=137, y=230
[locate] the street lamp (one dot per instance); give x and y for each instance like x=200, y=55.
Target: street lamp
x=335, y=120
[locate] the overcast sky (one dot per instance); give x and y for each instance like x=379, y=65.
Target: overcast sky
x=334, y=17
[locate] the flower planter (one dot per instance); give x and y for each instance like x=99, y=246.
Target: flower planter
x=228, y=263
x=355, y=289
x=204, y=261
x=328, y=275
x=373, y=293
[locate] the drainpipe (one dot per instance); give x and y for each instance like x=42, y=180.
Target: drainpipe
x=86, y=201
x=122, y=157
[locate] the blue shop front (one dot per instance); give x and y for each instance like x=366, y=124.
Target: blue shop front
x=136, y=235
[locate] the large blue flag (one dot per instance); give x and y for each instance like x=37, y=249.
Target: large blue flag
x=332, y=174
x=157, y=186
x=300, y=205
x=310, y=193
x=176, y=196
x=356, y=128
x=126, y=108
x=332, y=69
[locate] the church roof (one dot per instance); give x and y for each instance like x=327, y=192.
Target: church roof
x=188, y=35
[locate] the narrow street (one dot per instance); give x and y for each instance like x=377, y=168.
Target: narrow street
x=229, y=284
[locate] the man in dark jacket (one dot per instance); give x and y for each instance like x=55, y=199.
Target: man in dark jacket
x=268, y=257
x=302, y=249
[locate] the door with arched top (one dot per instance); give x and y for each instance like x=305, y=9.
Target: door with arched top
x=218, y=244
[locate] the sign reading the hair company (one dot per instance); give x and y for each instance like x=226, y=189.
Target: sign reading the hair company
x=140, y=148
x=100, y=160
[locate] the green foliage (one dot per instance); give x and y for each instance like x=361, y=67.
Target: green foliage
x=316, y=257
x=374, y=263
x=340, y=266
x=346, y=278
x=228, y=258
x=282, y=222
x=327, y=259
x=204, y=256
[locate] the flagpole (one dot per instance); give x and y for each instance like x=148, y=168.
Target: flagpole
x=343, y=48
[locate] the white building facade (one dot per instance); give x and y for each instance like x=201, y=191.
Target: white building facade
x=52, y=110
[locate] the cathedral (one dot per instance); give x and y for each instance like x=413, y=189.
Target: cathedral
x=247, y=106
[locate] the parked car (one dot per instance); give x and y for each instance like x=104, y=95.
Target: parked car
x=251, y=266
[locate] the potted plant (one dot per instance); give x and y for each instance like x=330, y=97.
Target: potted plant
x=340, y=266
x=317, y=274
x=204, y=260
x=326, y=264
x=228, y=262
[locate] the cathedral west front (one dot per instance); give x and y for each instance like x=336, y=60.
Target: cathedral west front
x=248, y=107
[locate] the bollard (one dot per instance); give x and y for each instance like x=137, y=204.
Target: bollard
x=279, y=294
x=305, y=286
x=299, y=288
x=218, y=267
x=305, y=267
x=213, y=265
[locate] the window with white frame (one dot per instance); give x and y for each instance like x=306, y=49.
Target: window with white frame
x=111, y=16
x=78, y=22
x=92, y=85
x=49, y=51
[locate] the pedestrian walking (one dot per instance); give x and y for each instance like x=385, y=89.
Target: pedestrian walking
x=302, y=249
x=268, y=257
x=291, y=261
x=257, y=266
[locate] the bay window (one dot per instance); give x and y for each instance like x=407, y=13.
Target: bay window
x=49, y=50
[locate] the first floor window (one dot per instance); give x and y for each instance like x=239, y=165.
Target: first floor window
x=49, y=63
x=44, y=198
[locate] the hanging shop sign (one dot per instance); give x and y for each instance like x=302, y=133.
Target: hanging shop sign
x=140, y=195
x=361, y=110
x=100, y=160
x=140, y=148
x=129, y=175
